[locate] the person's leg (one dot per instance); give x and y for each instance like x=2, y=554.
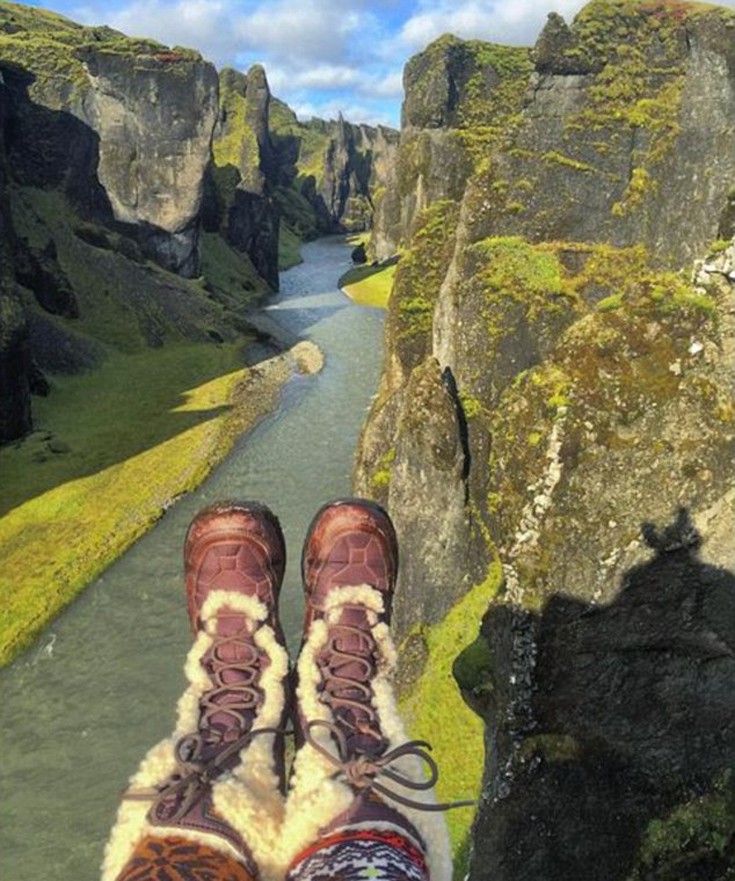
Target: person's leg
x=208, y=802
x=359, y=805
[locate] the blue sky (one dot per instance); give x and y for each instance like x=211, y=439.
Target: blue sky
x=322, y=56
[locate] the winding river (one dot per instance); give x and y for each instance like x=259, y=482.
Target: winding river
x=99, y=687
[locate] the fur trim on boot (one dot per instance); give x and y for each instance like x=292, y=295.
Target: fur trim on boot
x=315, y=799
x=248, y=797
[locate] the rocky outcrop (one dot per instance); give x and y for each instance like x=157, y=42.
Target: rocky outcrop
x=623, y=741
x=584, y=315
x=124, y=126
x=245, y=170
x=460, y=97
x=334, y=174
x=15, y=360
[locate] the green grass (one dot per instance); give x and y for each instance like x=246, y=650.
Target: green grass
x=230, y=273
x=132, y=436
x=289, y=248
x=369, y=285
x=434, y=709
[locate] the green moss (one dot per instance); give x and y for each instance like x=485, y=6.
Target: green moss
x=490, y=115
x=719, y=246
x=422, y=268
x=471, y=406
x=698, y=834
x=608, y=304
x=638, y=52
x=54, y=48
x=513, y=275
x=237, y=144
x=382, y=474
x=138, y=431
x=639, y=185
x=567, y=161
x=434, y=708
x=369, y=285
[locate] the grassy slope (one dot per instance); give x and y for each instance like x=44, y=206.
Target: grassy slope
x=134, y=434
x=114, y=446
x=369, y=285
x=434, y=710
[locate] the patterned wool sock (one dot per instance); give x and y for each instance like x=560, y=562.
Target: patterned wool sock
x=171, y=858
x=361, y=854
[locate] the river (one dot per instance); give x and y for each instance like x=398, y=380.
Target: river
x=99, y=687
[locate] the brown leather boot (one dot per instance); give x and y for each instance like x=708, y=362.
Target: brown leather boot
x=350, y=543
x=355, y=765
x=224, y=763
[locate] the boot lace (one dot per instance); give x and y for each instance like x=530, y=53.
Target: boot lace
x=204, y=756
x=349, y=664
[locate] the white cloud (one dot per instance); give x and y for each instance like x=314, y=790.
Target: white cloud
x=389, y=85
x=501, y=21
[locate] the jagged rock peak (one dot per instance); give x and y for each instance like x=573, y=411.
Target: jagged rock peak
x=605, y=30
x=438, y=80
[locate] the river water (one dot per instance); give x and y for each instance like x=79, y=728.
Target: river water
x=99, y=687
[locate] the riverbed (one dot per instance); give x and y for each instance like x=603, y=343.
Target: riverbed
x=99, y=687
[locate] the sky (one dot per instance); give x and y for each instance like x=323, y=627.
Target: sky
x=322, y=57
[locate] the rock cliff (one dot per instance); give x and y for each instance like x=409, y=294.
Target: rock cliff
x=15, y=365
x=570, y=306
x=105, y=152
x=245, y=170
x=123, y=126
x=333, y=174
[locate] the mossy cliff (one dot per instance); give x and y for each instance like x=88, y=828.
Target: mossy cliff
x=332, y=174
x=123, y=126
x=243, y=171
x=557, y=376
x=105, y=151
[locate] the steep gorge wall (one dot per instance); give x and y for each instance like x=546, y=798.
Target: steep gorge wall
x=561, y=379
x=123, y=126
x=332, y=174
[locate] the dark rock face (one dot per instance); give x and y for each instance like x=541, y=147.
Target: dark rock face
x=15, y=354
x=593, y=383
x=15, y=367
x=246, y=170
x=616, y=762
x=333, y=174
x=122, y=126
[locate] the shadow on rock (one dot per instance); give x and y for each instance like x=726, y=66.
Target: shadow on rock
x=611, y=730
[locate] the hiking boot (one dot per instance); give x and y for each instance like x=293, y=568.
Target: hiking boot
x=351, y=556
x=234, y=558
x=355, y=767
x=350, y=542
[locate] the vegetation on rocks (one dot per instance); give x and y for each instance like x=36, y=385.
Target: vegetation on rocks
x=79, y=490
x=421, y=270
x=434, y=709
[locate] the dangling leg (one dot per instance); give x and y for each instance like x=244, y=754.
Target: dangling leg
x=207, y=803
x=359, y=806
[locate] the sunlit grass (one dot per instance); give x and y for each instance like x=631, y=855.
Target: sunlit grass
x=132, y=436
x=435, y=711
x=369, y=285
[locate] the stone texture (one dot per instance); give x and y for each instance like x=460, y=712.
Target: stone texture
x=154, y=116
x=246, y=170
x=15, y=354
x=594, y=387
